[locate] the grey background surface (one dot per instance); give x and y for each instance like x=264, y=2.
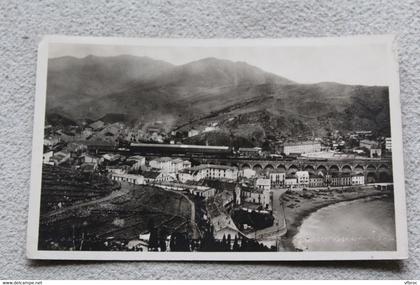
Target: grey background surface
x=23, y=22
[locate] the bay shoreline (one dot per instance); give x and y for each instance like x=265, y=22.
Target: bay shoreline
x=296, y=217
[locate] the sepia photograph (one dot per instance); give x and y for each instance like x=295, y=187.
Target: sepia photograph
x=180, y=149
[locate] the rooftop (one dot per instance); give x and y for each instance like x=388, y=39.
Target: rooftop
x=150, y=174
x=135, y=157
x=301, y=143
x=290, y=177
x=251, y=149
x=204, y=166
x=162, y=159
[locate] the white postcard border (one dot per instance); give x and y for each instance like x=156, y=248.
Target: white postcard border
x=397, y=157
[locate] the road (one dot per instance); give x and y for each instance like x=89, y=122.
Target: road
x=196, y=231
x=51, y=216
x=279, y=227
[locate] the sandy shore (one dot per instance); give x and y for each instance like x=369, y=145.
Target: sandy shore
x=297, y=207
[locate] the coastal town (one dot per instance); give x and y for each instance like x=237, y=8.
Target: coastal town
x=230, y=197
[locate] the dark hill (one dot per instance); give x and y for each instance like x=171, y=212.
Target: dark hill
x=217, y=73
x=244, y=101
x=78, y=80
x=58, y=120
x=114, y=118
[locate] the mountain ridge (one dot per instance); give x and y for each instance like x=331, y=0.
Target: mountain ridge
x=195, y=93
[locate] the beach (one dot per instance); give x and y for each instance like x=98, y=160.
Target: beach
x=300, y=205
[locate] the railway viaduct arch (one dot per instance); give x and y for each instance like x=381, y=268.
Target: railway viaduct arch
x=374, y=170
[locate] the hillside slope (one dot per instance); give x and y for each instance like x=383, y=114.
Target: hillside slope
x=244, y=101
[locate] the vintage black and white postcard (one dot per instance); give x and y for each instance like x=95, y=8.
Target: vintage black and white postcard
x=219, y=149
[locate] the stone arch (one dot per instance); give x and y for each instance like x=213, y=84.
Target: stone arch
x=281, y=167
x=268, y=168
x=321, y=169
x=257, y=168
x=310, y=169
x=292, y=169
x=384, y=176
x=234, y=164
x=383, y=166
x=334, y=169
x=359, y=169
x=371, y=167
x=246, y=166
x=370, y=177
x=346, y=168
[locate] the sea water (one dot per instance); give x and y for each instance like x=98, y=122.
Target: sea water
x=360, y=225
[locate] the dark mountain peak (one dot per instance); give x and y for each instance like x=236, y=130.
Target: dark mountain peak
x=212, y=72
x=111, y=118
x=56, y=119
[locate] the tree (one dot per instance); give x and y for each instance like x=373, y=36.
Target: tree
x=223, y=245
x=153, y=238
x=162, y=239
x=228, y=242
x=172, y=243
x=235, y=244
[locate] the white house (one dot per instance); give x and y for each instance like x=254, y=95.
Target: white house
x=277, y=177
x=388, y=144
x=302, y=177
x=138, y=160
x=46, y=157
x=162, y=163
x=224, y=226
x=358, y=179
x=193, y=132
x=211, y=171
x=129, y=178
x=263, y=184
x=60, y=157
x=115, y=169
x=291, y=181
x=202, y=191
x=248, y=173
x=150, y=176
x=169, y=165
x=87, y=158
x=259, y=196
x=165, y=177
x=375, y=152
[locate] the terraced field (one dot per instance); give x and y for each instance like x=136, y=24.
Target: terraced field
x=89, y=225
x=63, y=187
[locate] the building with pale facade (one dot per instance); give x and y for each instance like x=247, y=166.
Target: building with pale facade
x=193, y=132
x=375, y=152
x=340, y=180
x=290, y=180
x=209, y=171
x=46, y=157
x=248, y=173
x=388, y=144
x=129, y=178
x=368, y=144
x=301, y=147
x=263, y=184
x=316, y=180
x=277, y=177
x=302, y=178
x=138, y=161
x=169, y=165
x=358, y=179
x=259, y=196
